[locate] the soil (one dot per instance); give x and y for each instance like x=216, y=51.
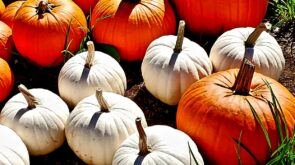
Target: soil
x=155, y=111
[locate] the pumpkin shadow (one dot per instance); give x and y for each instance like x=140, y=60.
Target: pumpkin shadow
x=85, y=74
x=173, y=59
x=94, y=119
x=20, y=113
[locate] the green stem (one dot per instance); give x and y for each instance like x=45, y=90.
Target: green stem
x=90, y=55
x=243, y=81
x=31, y=100
x=143, y=147
x=101, y=101
x=251, y=40
x=180, y=36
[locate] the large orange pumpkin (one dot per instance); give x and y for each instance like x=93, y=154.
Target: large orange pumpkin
x=43, y=29
x=130, y=25
x=6, y=80
x=10, y=12
x=211, y=17
x=86, y=5
x=214, y=111
x=6, y=42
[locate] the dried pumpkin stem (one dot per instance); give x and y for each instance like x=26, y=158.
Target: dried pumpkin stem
x=243, y=81
x=31, y=99
x=44, y=7
x=180, y=36
x=251, y=40
x=90, y=55
x=101, y=101
x=143, y=147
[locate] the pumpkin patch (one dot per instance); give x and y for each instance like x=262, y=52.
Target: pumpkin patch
x=118, y=64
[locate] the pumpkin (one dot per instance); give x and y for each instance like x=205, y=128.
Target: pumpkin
x=228, y=51
x=38, y=116
x=82, y=74
x=173, y=63
x=223, y=121
x=6, y=80
x=86, y=6
x=99, y=124
x=12, y=148
x=212, y=18
x=158, y=144
x=2, y=7
x=6, y=42
x=10, y=12
x=43, y=29
x=130, y=25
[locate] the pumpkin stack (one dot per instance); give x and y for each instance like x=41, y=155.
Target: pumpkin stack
x=226, y=109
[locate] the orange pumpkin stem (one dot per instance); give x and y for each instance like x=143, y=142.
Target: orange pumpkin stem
x=243, y=81
x=101, y=101
x=180, y=36
x=251, y=40
x=31, y=100
x=143, y=147
x=90, y=55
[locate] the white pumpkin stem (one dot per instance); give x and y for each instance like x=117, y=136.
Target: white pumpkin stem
x=143, y=147
x=31, y=99
x=101, y=101
x=180, y=36
x=90, y=55
x=243, y=81
x=251, y=40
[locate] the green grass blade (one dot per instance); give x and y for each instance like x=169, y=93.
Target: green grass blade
x=191, y=153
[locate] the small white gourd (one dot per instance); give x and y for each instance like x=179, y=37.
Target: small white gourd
x=158, y=144
x=38, y=116
x=255, y=44
x=82, y=74
x=99, y=124
x=169, y=67
x=13, y=151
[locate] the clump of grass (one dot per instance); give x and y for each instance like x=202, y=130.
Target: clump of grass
x=284, y=11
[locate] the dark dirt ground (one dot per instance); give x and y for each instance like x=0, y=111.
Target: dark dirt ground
x=155, y=111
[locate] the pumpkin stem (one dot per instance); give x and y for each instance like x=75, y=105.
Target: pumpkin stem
x=143, y=147
x=31, y=100
x=90, y=55
x=101, y=101
x=180, y=36
x=44, y=7
x=243, y=81
x=250, y=42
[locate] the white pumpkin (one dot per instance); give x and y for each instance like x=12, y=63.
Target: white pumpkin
x=99, y=124
x=82, y=74
x=158, y=144
x=171, y=64
x=38, y=116
x=12, y=149
x=264, y=52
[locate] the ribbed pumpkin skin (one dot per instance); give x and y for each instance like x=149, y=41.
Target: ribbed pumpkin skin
x=86, y=5
x=228, y=52
x=219, y=117
x=131, y=26
x=10, y=12
x=213, y=17
x=6, y=42
x=6, y=80
x=2, y=7
x=41, y=37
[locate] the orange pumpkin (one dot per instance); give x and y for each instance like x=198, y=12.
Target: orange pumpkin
x=6, y=80
x=2, y=7
x=211, y=17
x=10, y=12
x=6, y=42
x=130, y=25
x=86, y=5
x=214, y=111
x=43, y=29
